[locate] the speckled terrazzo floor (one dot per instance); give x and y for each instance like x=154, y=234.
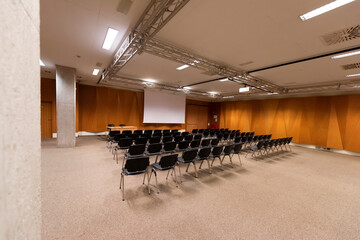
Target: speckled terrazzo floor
x=307, y=194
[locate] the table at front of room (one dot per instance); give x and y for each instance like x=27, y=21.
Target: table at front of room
x=122, y=128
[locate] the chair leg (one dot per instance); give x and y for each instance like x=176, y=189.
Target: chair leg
x=201, y=163
x=144, y=179
x=123, y=188
x=290, y=148
x=208, y=165
x=168, y=175
x=148, y=185
x=231, y=161
x=196, y=174
x=212, y=161
x=239, y=159
x=156, y=181
x=180, y=172
x=187, y=168
x=175, y=177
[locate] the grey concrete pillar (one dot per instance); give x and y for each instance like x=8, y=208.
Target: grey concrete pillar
x=20, y=196
x=65, y=106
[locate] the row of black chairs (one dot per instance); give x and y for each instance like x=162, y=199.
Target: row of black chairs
x=265, y=146
x=140, y=164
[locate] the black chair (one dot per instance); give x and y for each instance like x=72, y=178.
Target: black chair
x=174, y=134
x=169, y=147
x=201, y=130
x=127, y=132
x=157, y=134
x=150, y=132
x=141, y=140
x=110, y=137
x=138, y=132
x=178, y=139
x=167, y=134
x=288, y=142
x=174, y=130
x=198, y=137
x=136, y=166
x=133, y=136
x=158, y=131
x=227, y=152
x=255, y=148
x=166, y=131
x=135, y=151
x=167, y=139
x=167, y=163
x=204, y=154
x=244, y=139
x=243, y=134
x=184, y=134
x=122, y=125
x=212, y=133
x=216, y=153
x=195, y=144
x=123, y=144
x=237, y=139
x=237, y=150
x=194, y=131
x=154, y=140
x=189, y=138
x=115, y=140
x=154, y=150
x=188, y=157
x=205, y=142
x=183, y=145
x=215, y=142
x=206, y=134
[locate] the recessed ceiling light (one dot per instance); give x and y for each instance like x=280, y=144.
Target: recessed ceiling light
x=353, y=75
x=183, y=67
x=95, y=72
x=150, y=80
x=224, y=80
x=213, y=93
x=41, y=63
x=186, y=87
x=196, y=61
x=228, y=97
x=326, y=8
x=244, y=89
x=345, y=55
x=110, y=38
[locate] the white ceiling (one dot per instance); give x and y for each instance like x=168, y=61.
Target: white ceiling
x=228, y=31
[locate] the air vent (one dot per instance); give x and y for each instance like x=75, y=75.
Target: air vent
x=209, y=73
x=351, y=66
x=124, y=6
x=98, y=64
x=340, y=36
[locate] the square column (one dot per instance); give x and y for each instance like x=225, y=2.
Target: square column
x=65, y=106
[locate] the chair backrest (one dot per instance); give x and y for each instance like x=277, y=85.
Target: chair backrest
x=178, y=139
x=183, y=145
x=204, y=153
x=255, y=138
x=167, y=134
x=157, y=134
x=154, y=148
x=201, y=130
x=122, y=125
x=244, y=139
x=219, y=136
x=237, y=131
x=260, y=144
x=168, y=161
x=157, y=131
x=141, y=140
x=133, y=136
x=228, y=148
x=184, y=133
x=166, y=131
x=144, y=135
x=137, y=164
x=237, y=139
x=190, y=155
x=113, y=133
x=249, y=139
x=125, y=142
x=117, y=137
x=217, y=151
x=205, y=142
x=127, y=132
x=195, y=131
x=136, y=149
x=167, y=139
x=195, y=144
x=148, y=132
x=111, y=125
x=138, y=132
x=266, y=143
x=189, y=138
x=174, y=134
x=174, y=130
x=290, y=139
x=232, y=135
x=206, y=133
x=169, y=146
x=154, y=140
x=237, y=147
x=215, y=142
x=198, y=136
x=237, y=134
x=243, y=134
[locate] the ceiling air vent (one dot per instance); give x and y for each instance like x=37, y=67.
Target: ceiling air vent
x=351, y=66
x=340, y=36
x=124, y=6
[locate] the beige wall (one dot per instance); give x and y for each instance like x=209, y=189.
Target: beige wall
x=20, y=216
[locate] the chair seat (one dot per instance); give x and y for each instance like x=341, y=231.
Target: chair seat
x=122, y=148
x=252, y=147
x=126, y=172
x=152, y=154
x=158, y=167
x=134, y=156
x=180, y=159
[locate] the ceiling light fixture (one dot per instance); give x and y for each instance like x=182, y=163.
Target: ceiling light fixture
x=196, y=61
x=149, y=80
x=183, y=67
x=213, y=93
x=353, y=75
x=345, y=55
x=224, y=80
x=41, y=63
x=326, y=8
x=95, y=72
x=186, y=87
x=244, y=89
x=228, y=97
x=110, y=38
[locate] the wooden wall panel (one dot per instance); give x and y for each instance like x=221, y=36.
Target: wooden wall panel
x=332, y=121
x=48, y=94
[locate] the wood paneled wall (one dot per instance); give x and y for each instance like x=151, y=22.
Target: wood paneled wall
x=332, y=121
x=48, y=94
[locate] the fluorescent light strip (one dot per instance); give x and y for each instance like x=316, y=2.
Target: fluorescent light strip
x=150, y=80
x=110, y=38
x=229, y=97
x=244, y=89
x=324, y=9
x=224, y=80
x=213, y=93
x=186, y=87
x=345, y=55
x=95, y=72
x=182, y=67
x=353, y=75
x=41, y=63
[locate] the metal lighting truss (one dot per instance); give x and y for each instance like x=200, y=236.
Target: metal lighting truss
x=165, y=50
x=155, y=16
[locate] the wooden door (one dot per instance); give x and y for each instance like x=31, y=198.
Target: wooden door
x=46, y=119
x=196, y=117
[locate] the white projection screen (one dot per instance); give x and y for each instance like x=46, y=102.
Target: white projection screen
x=163, y=107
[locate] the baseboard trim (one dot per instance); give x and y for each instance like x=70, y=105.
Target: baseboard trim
x=335, y=150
